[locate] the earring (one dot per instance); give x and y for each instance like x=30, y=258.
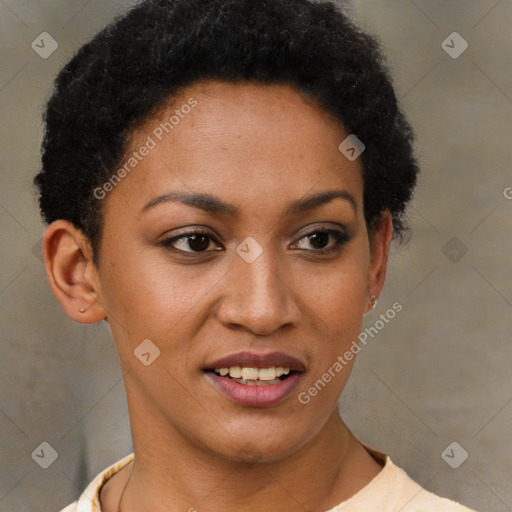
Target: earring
x=373, y=301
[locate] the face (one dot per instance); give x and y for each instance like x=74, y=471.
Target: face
x=237, y=240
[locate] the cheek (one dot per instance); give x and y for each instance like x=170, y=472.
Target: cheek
x=337, y=295
x=149, y=297
x=338, y=311
x=342, y=302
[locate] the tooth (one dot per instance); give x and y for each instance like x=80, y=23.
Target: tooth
x=235, y=372
x=253, y=374
x=250, y=373
x=267, y=373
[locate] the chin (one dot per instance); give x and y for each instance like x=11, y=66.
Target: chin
x=269, y=446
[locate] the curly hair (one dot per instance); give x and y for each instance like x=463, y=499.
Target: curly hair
x=144, y=58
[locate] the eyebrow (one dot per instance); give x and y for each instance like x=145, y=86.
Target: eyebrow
x=212, y=204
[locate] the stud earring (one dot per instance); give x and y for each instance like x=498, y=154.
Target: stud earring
x=373, y=301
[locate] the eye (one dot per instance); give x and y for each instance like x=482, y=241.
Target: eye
x=323, y=241
x=193, y=242
x=320, y=238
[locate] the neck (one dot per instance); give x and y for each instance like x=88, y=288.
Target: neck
x=170, y=474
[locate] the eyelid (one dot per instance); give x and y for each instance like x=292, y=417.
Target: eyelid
x=196, y=229
x=321, y=226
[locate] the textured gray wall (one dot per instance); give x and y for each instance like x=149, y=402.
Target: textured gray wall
x=438, y=373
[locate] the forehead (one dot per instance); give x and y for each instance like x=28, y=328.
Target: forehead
x=239, y=140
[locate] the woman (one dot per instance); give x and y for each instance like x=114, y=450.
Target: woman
x=222, y=182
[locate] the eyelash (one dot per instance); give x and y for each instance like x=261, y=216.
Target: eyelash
x=341, y=237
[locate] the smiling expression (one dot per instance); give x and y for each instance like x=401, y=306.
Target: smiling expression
x=252, y=170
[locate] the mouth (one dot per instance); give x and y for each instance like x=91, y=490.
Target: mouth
x=251, y=376
x=255, y=380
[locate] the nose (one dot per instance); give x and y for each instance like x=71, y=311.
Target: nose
x=258, y=297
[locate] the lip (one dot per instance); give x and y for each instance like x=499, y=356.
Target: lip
x=255, y=396
x=257, y=360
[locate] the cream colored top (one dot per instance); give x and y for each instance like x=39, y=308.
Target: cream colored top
x=390, y=491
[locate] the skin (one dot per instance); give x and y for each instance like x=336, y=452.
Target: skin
x=259, y=148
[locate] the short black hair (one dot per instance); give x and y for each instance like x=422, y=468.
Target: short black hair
x=145, y=57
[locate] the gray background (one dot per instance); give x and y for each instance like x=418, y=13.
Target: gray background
x=439, y=372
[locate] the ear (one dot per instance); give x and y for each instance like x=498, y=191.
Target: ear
x=73, y=276
x=381, y=236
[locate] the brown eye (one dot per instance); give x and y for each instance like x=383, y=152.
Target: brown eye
x=319, y=240
x=196, y=242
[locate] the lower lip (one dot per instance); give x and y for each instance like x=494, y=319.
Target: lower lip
x=255, y=396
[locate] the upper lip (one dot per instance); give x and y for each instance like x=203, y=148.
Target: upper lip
x=255, y=360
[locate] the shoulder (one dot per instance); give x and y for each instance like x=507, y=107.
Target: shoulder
x=414, y=498
x=70, y=508
x=393, y=490
x=89, y=500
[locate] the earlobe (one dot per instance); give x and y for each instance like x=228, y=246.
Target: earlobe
x=380, y=242
x=71, y=272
